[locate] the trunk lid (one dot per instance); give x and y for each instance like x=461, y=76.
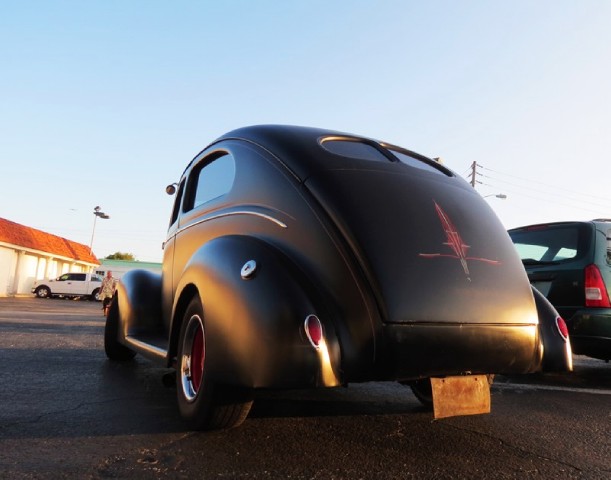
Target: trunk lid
x=431, y=247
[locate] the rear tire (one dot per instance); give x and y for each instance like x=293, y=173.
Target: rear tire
x=423, y=391
x=202, y=403
x=115, y=350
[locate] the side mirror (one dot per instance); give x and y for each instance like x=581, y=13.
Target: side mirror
x=171, y=189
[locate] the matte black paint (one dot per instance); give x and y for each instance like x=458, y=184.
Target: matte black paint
x=361, y=244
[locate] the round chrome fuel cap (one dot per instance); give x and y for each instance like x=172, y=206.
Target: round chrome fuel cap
x=249, y=269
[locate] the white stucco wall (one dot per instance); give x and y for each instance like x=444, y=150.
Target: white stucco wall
x=27, y=273
x=8, y=261
x=19, y=268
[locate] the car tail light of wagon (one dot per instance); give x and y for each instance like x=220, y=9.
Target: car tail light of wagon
x=595, y=288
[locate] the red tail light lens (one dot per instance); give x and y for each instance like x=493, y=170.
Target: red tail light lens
x=313, y=329
x=595, y=288
x=562, y=328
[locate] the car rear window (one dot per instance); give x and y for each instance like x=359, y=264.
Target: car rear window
x=550, y=244
x=354, y=149
x=413, y=161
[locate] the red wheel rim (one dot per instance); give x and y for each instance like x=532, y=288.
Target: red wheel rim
x=197, y=359
x=192, y=358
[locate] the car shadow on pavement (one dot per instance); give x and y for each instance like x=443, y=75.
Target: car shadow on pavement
x=152, y=390
x=374, y=398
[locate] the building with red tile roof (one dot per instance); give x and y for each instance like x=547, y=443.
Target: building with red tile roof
x=27, y=254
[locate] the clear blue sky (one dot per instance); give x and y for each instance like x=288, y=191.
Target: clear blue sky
x=104, y=102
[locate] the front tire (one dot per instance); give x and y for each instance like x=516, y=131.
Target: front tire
x=202, y=403
x=115, y=350
x=43, y=292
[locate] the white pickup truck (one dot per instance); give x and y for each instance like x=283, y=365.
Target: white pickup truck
x=69, y=285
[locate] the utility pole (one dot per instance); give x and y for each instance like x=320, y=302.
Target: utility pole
x=473, y=173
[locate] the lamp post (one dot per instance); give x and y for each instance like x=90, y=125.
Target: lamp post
x=97, y=212
x=502, y=196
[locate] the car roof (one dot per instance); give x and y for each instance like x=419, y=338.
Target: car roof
x=299, y=149
x=552, y=224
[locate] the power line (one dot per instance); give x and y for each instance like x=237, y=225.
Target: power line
x=554, y=187
x=577, y=199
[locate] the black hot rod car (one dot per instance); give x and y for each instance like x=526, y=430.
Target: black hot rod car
x=300, y=257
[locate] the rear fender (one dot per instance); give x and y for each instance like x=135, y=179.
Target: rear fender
x=255, y=302
x=557, y=354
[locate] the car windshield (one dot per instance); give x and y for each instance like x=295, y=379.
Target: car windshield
x=547, y=244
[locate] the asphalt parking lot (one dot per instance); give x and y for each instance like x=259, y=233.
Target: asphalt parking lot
x=68, y=412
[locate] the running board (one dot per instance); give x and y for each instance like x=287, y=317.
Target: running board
x=154, y=348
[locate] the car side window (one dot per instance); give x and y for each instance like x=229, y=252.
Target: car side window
x=609, y=246
x=211, y=180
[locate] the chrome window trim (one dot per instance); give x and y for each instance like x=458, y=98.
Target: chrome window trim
x=237, y=212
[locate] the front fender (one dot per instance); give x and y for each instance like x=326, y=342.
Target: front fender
x=557, y=354
x=139, y=297
x=254, y=320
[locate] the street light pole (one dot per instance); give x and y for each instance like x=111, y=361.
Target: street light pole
x=97, y=212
